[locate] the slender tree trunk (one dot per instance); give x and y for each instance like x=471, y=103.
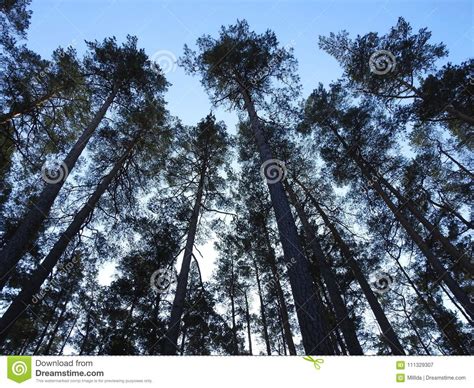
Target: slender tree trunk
x=59, y=322
x=455, y=255
x=431, y=306
x=262, y=310
x=283, y=311
x=389, y=334
x=304, y=293
x=343, y=316
x=86, y=335
x=247, y=317
x=67, y=337
x=435, y=263
x=460, y=166
x=183, y=340
x=282, y=331
x=281, y=297
x=50, y=319
x=28, y=229
x=417, y=333
x=24, y=298
x=171, y=338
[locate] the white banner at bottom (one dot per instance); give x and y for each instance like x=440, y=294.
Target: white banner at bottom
x=227, y=371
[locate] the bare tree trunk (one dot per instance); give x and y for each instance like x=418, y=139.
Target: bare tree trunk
x=22, y=301
x=281, y=297
x=455, y=255
x=342, y=314
x=170, y=346
x=59, y=322
x=262, y=310
x=388, y=333
x=304, y=293
x=50, y=319
x=28, y=229
x=67, y=337
x=435, y=263
x=247, y=317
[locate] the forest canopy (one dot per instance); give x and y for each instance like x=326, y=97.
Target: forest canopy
x=341, y=219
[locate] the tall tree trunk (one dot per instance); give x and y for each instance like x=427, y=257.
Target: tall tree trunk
x=388, y=333
x=58, y=324
x=50, y=319
x=460, y=166
x=86, y=335
x=435, y=263
x=183, y=340
x=455, y=255
x=342, y=314
x=170, y=346
x=247, y=317
x=431, y=306
x=28, y=229
x=281, y=297
x=417, y=333
x=22, y=301
x=304, y=293
x=262, y=310
x=67, y=337
x=232, y=306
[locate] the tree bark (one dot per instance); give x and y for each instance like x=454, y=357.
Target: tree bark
x=59, y=322
x=67, y=337
x=389, y=334
x=262, y=310
x=435, y=263
x=281, y=297
x=455, y=255
x=22, y=301
x=29, y=227
x=342, y=314
x=247, y=317
x=170, y=346
x=304, y=293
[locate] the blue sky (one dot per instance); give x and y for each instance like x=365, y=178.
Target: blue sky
x=168, y=25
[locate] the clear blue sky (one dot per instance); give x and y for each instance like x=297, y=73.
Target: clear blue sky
x=168, y=25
